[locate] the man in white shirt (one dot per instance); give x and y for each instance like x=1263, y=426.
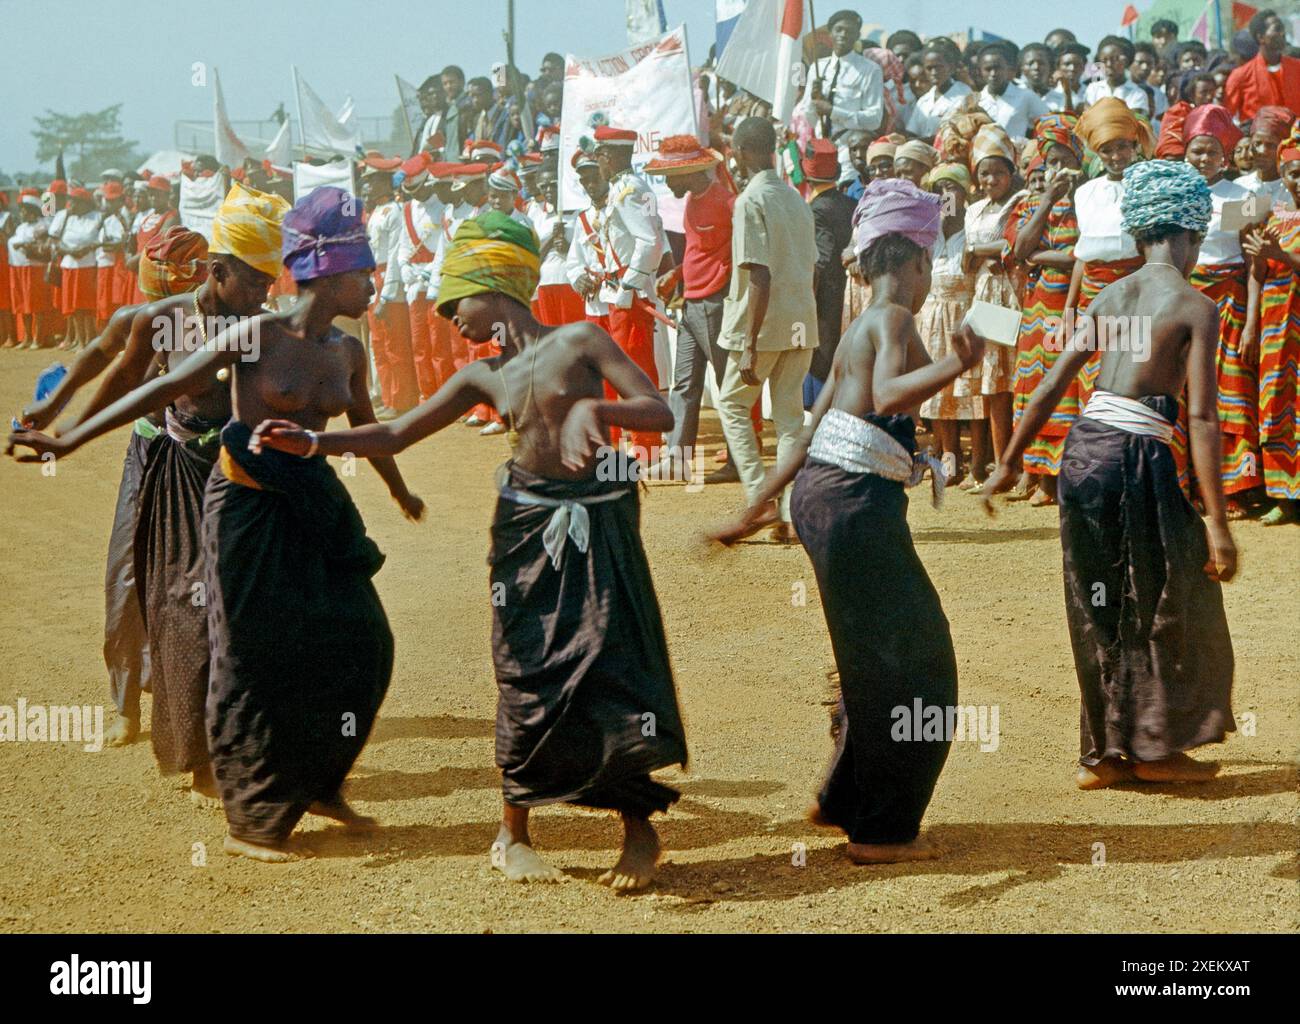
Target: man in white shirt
x=1011, y=107
x=946, y=93
x=845, y=91
x=433, y=104
x=390, y=329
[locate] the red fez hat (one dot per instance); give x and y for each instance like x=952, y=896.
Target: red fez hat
x=58, y=187
x=607, y=135
x=821, y=161
x=581, y=158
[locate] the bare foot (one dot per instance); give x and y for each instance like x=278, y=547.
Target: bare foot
x=891, y=853
x=1109, y=771
x=341, y=811
x=1041, y=499
x=519, y=862
x=122, y=732
x=203, y=789
x=1176, y=768
x=255, y=851
x=635, y=869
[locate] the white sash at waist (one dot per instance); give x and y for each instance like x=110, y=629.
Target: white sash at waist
x=858, y=446
x=1128, y=414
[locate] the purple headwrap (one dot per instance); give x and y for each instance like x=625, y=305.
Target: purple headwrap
x=324, y=235
x=894, y=206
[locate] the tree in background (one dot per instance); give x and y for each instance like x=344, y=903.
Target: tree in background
x=90, y=141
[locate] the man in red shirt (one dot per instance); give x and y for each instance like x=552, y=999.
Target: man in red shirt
x=1271, y=79
x=705, y=273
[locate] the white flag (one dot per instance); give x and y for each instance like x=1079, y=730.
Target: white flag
x=321, y=130
x=280, y=151
x=229, y=149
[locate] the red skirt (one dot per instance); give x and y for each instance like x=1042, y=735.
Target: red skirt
x=78, y=290
x=105, y=293
x=558, y=304
x=124, y=282
x=31, y=294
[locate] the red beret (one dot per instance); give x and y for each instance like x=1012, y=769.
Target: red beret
x=58, y=187
x=160, y=183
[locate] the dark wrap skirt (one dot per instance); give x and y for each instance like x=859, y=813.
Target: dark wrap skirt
x=126, y=645
x=173, y=600
x=301, y=649
x=587, y=706
x=891, y=642
x=1151, y=644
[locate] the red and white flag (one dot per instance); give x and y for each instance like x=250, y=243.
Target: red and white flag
x=763, y=54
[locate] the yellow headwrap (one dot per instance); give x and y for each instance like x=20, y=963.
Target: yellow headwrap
x=991, y=140
x=491, y=253
x=248, y=227
x=953, y=172
x=1109, y=119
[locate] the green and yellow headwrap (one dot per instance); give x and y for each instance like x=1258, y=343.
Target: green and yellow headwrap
x=491, y=253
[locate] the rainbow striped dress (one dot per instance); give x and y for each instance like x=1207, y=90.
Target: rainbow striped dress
x=1279, y=366
x=1038, y=346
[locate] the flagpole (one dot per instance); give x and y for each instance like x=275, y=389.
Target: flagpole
x=401, y=102
x=1218, y=25
x=297, y=99
x=812, y=17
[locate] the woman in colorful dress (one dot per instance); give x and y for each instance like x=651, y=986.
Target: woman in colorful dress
x=993, y=162
x=1275, y=253
x=951, y=289
x=1220, y=274
x=1046, y=242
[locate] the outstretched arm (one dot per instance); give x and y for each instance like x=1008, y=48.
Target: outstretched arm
x=372, y=440
x=223, y=350
x=93, y=361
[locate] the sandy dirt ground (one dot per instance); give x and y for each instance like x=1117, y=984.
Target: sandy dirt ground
x=102, y=842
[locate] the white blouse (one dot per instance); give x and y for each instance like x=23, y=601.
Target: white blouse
x=1102, y=237
x=1219, y=246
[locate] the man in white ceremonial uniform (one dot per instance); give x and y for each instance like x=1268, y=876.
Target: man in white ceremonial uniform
x=633, y=237
x=390, y=328
x=845, y=91
x=467, y=198
x=585, y=263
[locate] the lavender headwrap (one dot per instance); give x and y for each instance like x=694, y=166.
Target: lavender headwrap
x=324, y=235
x=894, y=206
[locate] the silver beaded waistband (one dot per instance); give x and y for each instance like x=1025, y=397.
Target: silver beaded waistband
x=857, y=446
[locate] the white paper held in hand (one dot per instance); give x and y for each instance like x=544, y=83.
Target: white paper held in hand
x=993, y=323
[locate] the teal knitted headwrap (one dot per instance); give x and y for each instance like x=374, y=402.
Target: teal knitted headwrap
x=1165, y=192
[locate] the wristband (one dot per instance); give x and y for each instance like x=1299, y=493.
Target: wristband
x=315, y=444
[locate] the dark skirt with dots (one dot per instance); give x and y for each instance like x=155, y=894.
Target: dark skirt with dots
x=168, y=555
x=301, y=648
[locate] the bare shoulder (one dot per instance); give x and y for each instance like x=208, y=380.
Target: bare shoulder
x=581, y=337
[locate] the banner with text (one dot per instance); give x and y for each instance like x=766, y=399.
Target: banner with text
x=647, y=89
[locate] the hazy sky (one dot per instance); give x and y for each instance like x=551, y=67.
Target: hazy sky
x=88, y=54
